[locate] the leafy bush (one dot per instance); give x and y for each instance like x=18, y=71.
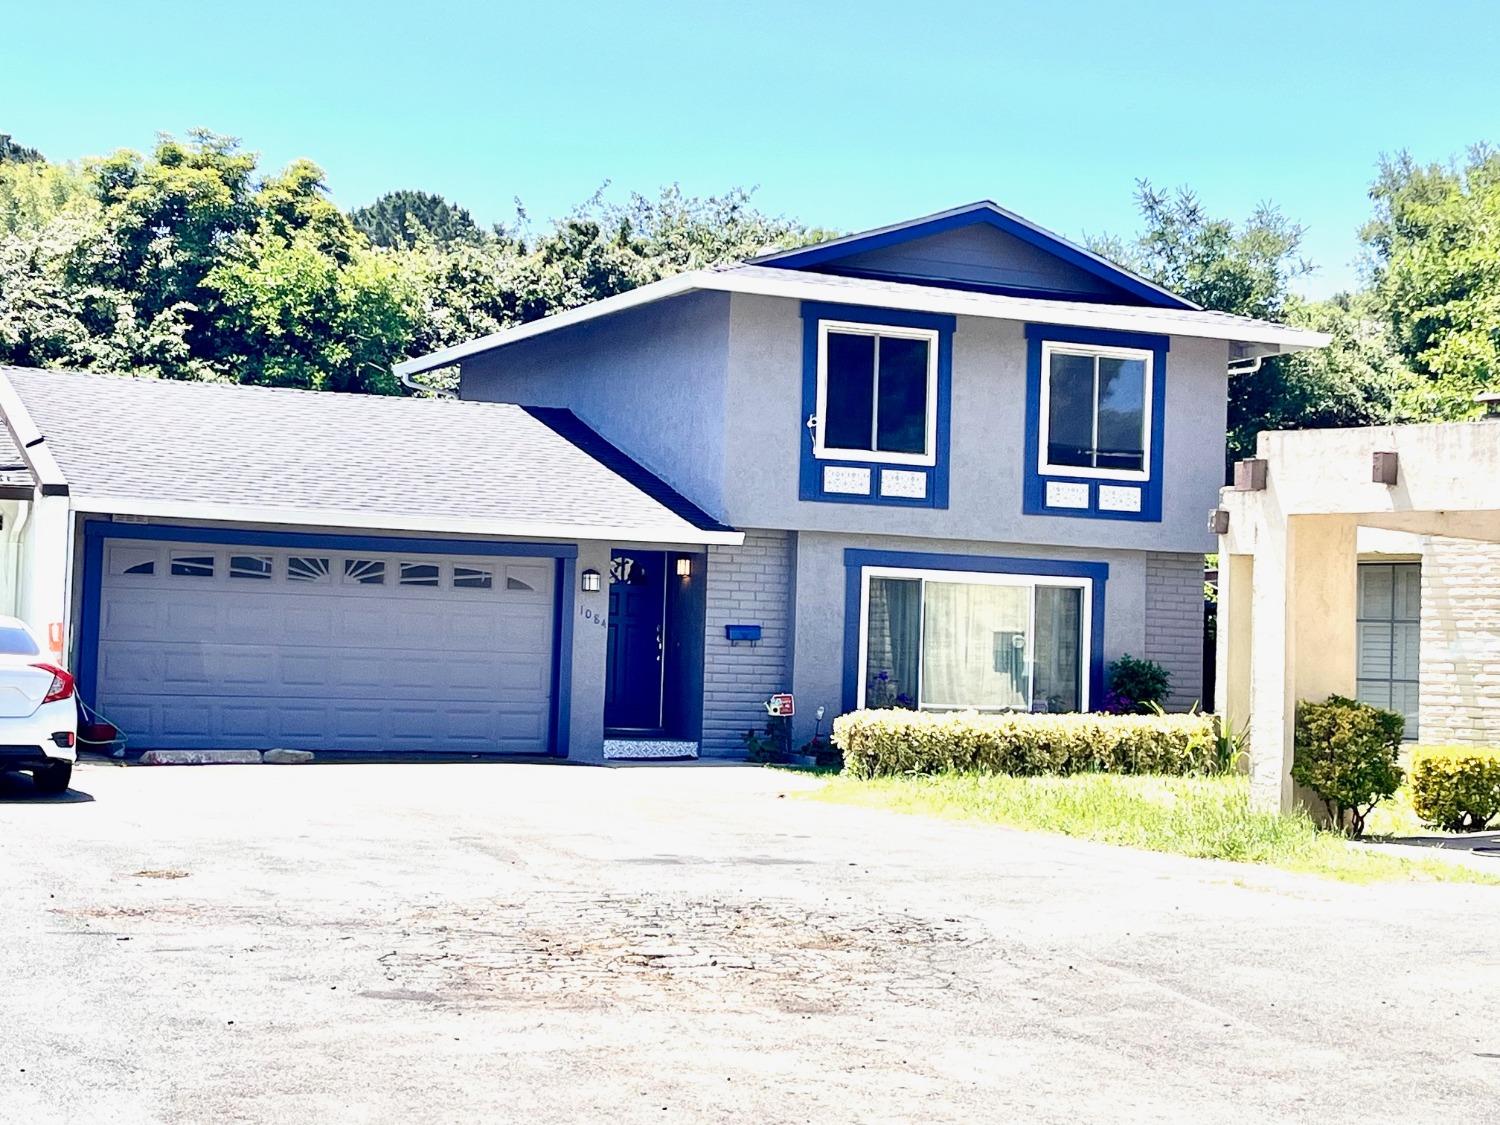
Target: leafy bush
x=899, y=742
x=1136, y=686
x=1455, y=787
x=1346, y=752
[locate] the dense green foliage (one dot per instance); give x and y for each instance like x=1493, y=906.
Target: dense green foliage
x=1455, y=787
x=1136, y=686
x=404, y=218
x=1434, y=245
x=897, y=741
x=189, y=263
x=1346, y=752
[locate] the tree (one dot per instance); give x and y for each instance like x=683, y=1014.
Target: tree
x=1248, y=270
x=1434, y=259
x=401, y=218
x=12, y=153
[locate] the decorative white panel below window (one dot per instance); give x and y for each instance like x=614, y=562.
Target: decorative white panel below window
x=1117, y=498
x=1065, y=494
x=846, y=479
x=903, y=482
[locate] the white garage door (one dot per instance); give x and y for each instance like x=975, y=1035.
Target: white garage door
x=216, y=646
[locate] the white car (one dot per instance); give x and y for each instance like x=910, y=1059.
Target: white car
x=38, y=714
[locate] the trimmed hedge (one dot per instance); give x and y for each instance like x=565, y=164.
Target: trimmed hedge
x=899, y=742
x=1456, y=788
x=1346, y=752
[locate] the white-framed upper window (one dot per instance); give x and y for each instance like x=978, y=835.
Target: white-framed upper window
x=1096, y=412
x=877, y=393
x=940, y=640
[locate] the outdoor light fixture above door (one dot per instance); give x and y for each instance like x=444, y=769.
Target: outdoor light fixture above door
x=684, y=567
x=590, y=581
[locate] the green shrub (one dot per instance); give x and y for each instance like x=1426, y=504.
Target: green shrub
x=1136, y=687
x=1346, y=752
x=1455, y=787
x=900, y=742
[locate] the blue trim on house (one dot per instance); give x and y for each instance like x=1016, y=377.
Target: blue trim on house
x=856, y=559
x=986, y=212
x=96, y=531
x=810, y=470
x=1034, y=483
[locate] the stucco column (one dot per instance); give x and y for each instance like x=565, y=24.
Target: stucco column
x=1232, y=640
x=1302, y=638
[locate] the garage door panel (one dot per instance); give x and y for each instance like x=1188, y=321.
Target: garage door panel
x=312, y=657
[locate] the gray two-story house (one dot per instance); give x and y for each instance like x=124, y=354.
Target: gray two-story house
x=953, y=463
x=972, y=463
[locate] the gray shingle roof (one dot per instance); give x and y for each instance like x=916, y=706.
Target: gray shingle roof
x=487, y=467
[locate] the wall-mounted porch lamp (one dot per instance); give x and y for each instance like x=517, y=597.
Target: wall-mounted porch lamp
x=590, y=581
x=684, y=567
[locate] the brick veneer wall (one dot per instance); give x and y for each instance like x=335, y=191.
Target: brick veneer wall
x=1174, y=624
x=747, y=585
x=1460, y=658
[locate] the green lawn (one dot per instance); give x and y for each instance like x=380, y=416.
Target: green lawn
x=1208, y=817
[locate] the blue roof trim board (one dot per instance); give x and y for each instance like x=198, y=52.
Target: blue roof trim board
x=826, y=255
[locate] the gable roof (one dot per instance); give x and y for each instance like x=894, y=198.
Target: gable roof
x=1248, y=338
x=229, y=452
x=832, y=256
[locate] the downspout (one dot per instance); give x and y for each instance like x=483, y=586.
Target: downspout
x=411, y=384
x=1245, y=366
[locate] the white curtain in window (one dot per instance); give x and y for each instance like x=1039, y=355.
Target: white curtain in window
x=974, y=646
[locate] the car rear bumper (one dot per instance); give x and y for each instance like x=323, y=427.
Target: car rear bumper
x=28, y=757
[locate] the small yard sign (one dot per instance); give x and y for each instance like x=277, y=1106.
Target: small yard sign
x=782, y=705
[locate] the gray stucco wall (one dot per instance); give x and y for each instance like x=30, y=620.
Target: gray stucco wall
x=764, y=398
x=818, y=650
x=747, y=585
x=1174, y=624
x=651, y=380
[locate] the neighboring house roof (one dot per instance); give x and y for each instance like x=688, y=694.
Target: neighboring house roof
x=1248, y=338
x=829, y=255
x=228, y=452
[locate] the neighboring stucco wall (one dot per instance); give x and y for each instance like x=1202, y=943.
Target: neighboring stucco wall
x=650, y=380
x=1460, y=645
x=747, y=585
x=1174, y=624
x=764, y=400
x=818, y=655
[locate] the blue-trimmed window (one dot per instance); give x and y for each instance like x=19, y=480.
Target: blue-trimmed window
x=875, y=400
x=1095, y=415
x=952, y=632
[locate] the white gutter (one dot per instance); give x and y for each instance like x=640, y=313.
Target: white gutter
x=323, y=518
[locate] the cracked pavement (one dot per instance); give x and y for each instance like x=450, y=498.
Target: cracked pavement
x=454, y=942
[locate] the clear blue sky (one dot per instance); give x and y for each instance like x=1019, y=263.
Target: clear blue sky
x=848, y=115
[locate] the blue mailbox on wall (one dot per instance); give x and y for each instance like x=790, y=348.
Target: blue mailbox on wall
x=738, y=633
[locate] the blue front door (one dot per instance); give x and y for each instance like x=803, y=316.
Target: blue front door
x=637, y=618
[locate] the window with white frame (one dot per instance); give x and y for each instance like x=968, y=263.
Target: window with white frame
x=877, y=393
x=1096, y=411
x=943, y=640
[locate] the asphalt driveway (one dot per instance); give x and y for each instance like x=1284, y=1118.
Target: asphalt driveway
x=551, y=943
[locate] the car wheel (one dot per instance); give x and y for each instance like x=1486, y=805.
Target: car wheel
x=53, y=779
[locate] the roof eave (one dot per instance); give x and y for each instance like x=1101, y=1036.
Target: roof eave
x=198, y=511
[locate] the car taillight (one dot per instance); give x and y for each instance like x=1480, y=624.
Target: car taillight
x=61, y=686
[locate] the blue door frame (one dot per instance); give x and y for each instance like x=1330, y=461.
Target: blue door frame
x=564, y=555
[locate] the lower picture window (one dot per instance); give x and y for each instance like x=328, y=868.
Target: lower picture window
x=943, y=641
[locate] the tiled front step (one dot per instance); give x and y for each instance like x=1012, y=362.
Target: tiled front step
x=644, y=749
